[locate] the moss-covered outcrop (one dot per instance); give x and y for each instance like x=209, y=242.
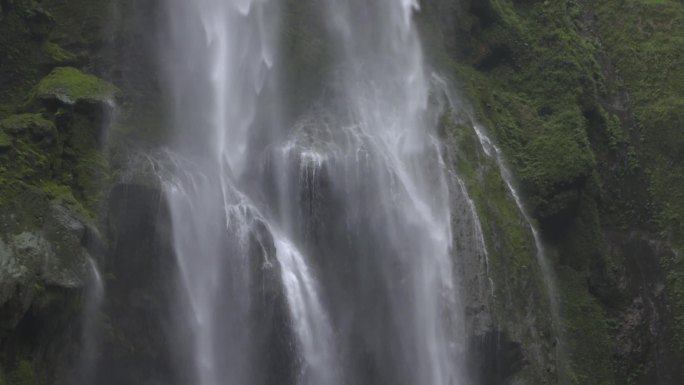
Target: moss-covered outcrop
x=34, y=124
x=53, y=169
x=58, y=54
x=584, y=100
x=70, y=86
x=645, y=40
x=514, y=282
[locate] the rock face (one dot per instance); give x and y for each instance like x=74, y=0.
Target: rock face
x=44, y=253
x=139, y=266
x=142, y=295
x=52, y=170
x=54, y=253
x=560, y=90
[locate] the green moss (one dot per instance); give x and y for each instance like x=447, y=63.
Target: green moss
x=23, y=374
x=5, y=141
x=68, y=166
x=586, y=331
x=644, y=38
x=58, y=54
x=69, y=86
x=532, y=94
x=86, y=166
x=56, y=191
x=36, y=124
x=519, y=290
x=535, y=76
x=49, y=160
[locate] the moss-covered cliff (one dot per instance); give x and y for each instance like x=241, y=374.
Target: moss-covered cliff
x=585, y=100
x=56, y=130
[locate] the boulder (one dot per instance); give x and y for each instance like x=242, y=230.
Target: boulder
x=47, y=248
x=69, y=86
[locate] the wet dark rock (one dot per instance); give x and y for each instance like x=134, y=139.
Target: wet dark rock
x=646, y=324
x=495, y=358
x=559, y=208
x=43, y=269
x=139, y=265
x=273, y=328
x=39, y=21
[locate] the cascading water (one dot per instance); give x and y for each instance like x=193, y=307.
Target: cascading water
x=391, y=184
x=473, y=232
x=319, y=254
x=222, y=78
x=548, y=277
x=90, y=335
x=492, y=150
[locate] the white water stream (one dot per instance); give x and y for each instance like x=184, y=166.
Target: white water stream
x=342, y=218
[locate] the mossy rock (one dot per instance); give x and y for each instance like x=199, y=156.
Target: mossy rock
x=58, y=54
x=44, y=240
x=68, y=85
x=35, y=124
x=5, y=141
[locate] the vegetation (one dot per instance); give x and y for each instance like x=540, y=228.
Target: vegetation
x=52, y=168
x=645, y=39
x=584, y=99
x=22, y=123
x=5, y=141
x=69, y=86
x=519, y=289
x=59, y=54
x=23, y=374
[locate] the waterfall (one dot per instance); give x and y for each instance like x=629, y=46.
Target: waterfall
x=318, y=252
x=396, y=199
x=493, y=151
x=547, y=274
x=90, y=334
x=220, y=63
x=548, y=277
